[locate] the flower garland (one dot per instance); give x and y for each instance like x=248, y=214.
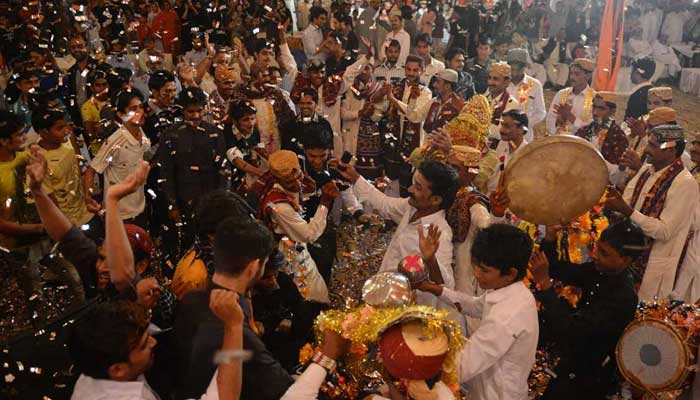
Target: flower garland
x=296, y=265
x=524, y=93
x=582, y=233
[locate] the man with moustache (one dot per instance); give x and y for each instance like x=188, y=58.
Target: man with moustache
x=513, y=129
x=501, y=100
x=572, y=107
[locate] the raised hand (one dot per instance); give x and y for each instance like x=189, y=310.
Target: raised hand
x=131, y=184
x=148, y=292
x=429, y=243
x=539, y=268
x=224, y=304
x=637, y=126
x=37, y=168
x=631, y=160
x=615, y=202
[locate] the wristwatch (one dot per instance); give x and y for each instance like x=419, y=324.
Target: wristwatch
x=324, y=361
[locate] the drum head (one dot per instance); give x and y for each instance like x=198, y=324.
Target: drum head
x=555, y=180
x=653, y=354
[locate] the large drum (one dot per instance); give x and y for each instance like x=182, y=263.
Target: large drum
x=555, y=179
x=655, y=356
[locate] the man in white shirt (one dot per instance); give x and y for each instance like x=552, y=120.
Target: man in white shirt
x=399, y=34
x=526, y=90
x=673, y=23
x=664, y=54
x=431, y=65
x=312, y=36
x=121, y=154
x=432, y=192
x=661, y=199
x=572, y=107
x=497, y=360
x=501, y=100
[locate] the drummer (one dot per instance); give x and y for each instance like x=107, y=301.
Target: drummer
x=660, y=199
x=585, y=337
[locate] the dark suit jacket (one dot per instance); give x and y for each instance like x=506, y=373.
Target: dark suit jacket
x=199, y=335
x=637, y=103
x=585, y=337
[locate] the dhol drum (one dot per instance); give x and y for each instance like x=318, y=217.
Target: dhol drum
x=555, y=179
x=656, y=352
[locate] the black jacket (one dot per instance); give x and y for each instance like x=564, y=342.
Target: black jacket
x=637, y=103
x=199, y=335
x=585, y=337
x=193, y=162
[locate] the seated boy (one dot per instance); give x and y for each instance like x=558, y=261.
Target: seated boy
x=497, y=360
x=585, y=336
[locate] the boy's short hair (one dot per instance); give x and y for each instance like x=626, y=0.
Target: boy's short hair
x=44, y=119
x=106, y=336
x=314, y=136
x=239, y=241
x=503, y=247
x=626, y=238
x=10, y=123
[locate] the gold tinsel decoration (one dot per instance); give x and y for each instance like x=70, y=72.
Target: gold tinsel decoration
x=364, y=325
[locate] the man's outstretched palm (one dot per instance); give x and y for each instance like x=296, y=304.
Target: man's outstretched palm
x=131, y=184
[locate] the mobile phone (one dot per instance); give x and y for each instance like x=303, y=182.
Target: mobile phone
x=345, y=158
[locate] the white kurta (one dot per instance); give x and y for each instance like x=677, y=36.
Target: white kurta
x=687, y=286
x=405, y=239
x=666, y=56
x=651, y=24
x=533, y=105
x=287, y=221
x=350, y=115
x=497, y=360
x=673, y=25
x=577, y=102
x=669, y=231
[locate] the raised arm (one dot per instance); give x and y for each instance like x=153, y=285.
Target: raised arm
x=120, y=260
x=55, y=222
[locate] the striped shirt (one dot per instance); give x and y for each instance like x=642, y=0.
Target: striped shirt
x=388, y=73
x=118, y=157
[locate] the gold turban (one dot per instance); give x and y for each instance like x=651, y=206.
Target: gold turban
x=662, y=116
x=471, y=126
x=500, y=69
x=584, y=63
x=608, y=97
x=284, y=164
x=665, y=93
x=466, y=155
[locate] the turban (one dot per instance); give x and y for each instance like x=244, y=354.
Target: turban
x=662, y=116
x=500, y=69
x=665, y=93
x=284, y=164
x=584, y=63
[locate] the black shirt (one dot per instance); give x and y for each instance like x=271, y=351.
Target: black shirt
x=637, y=103
x=479, y=73
x=199, y=335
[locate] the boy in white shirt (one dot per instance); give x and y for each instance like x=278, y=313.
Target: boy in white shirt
x=497, y=360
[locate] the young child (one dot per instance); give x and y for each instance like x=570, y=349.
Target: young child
x=497, y=360
x=585, y=336
x=63, y=183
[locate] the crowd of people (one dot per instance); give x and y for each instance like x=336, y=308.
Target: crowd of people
x=182, y=167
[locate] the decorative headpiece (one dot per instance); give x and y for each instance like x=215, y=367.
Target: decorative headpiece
x=500, y=69
x=662, y=116
x=608, y=97
x=665, y=93
x=584, y=63
x=284, y=164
